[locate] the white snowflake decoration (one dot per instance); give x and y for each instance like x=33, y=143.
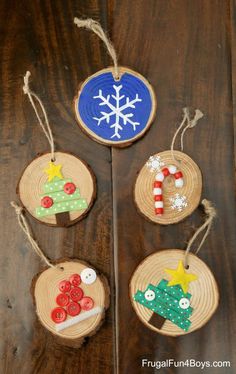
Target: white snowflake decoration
x=154, y=163
x=116, y=110
x=179, y=202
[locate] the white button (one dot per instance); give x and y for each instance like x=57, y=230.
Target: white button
x=184, y=303
x=149, y=295
x=88, y=276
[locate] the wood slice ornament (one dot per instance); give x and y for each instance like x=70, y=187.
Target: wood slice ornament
x=57, y=193
x=168, y=187
x=56, y=188
x=70, y=296
x=173, y=292
x=74, y=305
x=117, y=105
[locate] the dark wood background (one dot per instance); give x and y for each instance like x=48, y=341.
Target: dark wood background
x=186, y=48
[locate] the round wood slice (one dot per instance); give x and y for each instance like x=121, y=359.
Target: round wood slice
x=32, y=182
x=91, y=105
x=45, y=289
x=191, y=190
x=204, y=290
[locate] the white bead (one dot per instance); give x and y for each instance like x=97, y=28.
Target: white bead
x=184, y=303
x=172, y=169
x=179, y=183
x=158, y=204
x=88, y=276
x=149, y=295
x=157, y=191
x=160, y=177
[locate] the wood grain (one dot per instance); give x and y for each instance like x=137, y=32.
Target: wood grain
x=49, y=279
x=186, y=49
x=204, y=291
x=40, y=36
x=192, y=189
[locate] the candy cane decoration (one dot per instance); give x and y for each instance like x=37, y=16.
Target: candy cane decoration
x=157, y=191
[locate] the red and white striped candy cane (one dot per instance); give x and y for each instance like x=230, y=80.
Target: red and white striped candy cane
x=157, y=191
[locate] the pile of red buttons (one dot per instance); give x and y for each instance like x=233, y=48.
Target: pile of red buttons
x=71, y=300
x=69, y=189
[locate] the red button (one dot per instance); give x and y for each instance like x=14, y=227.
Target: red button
x=178, y=175
x=62, y=299
x=158, y=197
x=76, y=293
x=64, y=286
x=58, y=315
x=75, y=280
x=69, y=188
x=165, y=171
x=87, y=303
x=73, y=309
x=46, y=202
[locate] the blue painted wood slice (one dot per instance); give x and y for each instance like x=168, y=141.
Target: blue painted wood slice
x=115, y=112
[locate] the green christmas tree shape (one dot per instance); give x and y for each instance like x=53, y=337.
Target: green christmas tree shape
x=56, y=200
x=167, y=302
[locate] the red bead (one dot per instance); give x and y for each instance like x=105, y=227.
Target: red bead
x=166, y=172
x=69, y=188
x=62, y=299
x=178, y=175
x=158, y=197
x=76, y=293
x=159, y=211
x=64, y=286
x=73, y=308
x=58, y=315
x=46, y=202
x=75, y=280
x=87, y=303
x=157, y=184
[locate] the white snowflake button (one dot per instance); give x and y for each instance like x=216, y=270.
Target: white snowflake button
x=178, y=202
x=149, y=295
x=154, y=163
x=184, y=303
x=88, y=276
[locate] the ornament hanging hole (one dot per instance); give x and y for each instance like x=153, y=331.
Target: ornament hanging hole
x=186, y=267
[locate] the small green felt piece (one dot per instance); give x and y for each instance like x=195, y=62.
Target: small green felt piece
x=62, y=196
x=169, y=301
x=166, y=303
x=175, y=291
x=65, y=206
x=57, y=184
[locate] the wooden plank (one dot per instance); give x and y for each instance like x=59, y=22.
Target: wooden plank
x=40, y=36
x=183, y=48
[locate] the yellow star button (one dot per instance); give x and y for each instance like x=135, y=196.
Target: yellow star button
x=53, y=171
x=179, y=276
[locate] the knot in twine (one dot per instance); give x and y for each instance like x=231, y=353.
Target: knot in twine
x=25, y=227
x=45, y=127
x=91, y=24
x=190, y=124
x=210, y=215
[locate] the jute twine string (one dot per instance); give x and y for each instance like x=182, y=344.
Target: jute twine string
x=190, y=124
x=45, y=127
x=210, y=215
x=25, y=227
x=95, y=26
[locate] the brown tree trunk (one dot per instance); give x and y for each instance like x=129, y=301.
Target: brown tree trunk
x=156, y=320
x=63, y=219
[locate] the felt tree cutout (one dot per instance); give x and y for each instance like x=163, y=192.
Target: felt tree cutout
x=60, y=196
x=169, y=300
